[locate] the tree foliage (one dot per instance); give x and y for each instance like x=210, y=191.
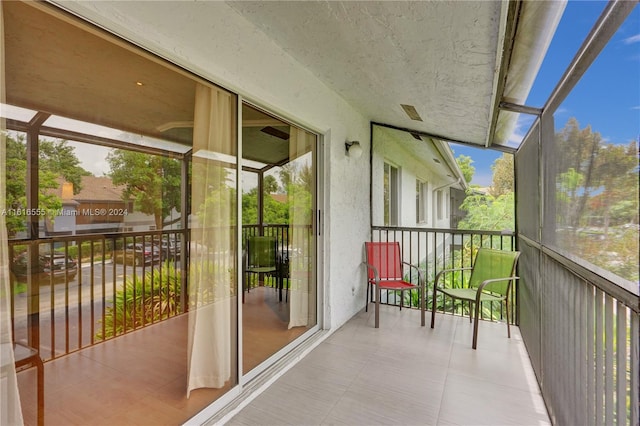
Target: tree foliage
x=502, y=181
x=493, y=211
x=59, y=158
x=488, y=213
x=597, y=199
x=56, y=160
x=274, y=212
x=297, y=185
x=464, y=163
x=151, y=181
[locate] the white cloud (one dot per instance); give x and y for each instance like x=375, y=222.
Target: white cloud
x=521, y=127
x=636, y=107
x=632, y=39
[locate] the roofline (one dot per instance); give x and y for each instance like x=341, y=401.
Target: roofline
x=447, y=154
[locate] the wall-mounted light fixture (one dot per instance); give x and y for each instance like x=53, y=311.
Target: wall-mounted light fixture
x=353, y=149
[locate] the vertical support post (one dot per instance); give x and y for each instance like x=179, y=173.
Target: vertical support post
x=261, y=203
x=33, y=186
x=185, y=208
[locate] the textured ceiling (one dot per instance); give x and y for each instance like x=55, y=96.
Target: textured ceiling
x=444, y=58
x=439, y=57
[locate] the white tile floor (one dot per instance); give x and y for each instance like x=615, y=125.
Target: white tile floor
x=404, y=374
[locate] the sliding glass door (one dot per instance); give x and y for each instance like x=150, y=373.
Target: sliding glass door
x=278, y=210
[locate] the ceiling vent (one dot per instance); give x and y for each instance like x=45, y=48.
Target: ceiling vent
x=411, y=111
x=416, y=136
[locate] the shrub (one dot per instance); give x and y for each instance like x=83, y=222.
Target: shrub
x=143, y=300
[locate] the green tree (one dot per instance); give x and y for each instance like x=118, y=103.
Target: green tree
x=502, y=181
x=464, y=163
x=274, y=212
x=299, y=189
x=151, y=181
x=493, y=211
x=16, y=183
x=577, y=149
x=270, y=184
x=488, y=213
x=614, y=173
x=597, y=199
x=59, y=158
x=56, y=160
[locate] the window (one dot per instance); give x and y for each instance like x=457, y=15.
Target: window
x=391, y=196
x=108, y=161
x=422, y=201
x=440, y=204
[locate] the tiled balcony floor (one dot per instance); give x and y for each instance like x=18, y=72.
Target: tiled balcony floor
x=402, y=373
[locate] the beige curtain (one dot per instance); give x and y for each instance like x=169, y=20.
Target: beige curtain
x=10, y=411
x=302, y=290
x=212, y=265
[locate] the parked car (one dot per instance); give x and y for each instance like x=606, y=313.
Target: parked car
x=138, y=254
x=170, y=247
x=54, y=265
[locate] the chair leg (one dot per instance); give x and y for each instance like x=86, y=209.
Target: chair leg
x=377, y=315
x=475, y=325
x=506, y=302
x=433, y=307
x=421, y=302
x=366, y=305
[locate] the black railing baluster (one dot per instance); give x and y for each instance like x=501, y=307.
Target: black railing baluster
x=79, y=304
x=52, y=319
x=121, y=308
x=91, y=294
x=445, y=249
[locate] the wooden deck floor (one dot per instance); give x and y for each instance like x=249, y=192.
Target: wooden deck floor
x=140, y=378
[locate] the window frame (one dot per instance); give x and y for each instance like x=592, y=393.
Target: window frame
x=391, y=194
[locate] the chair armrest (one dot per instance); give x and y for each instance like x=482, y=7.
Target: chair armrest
x=493, y=280
x=376, y=277
x=421, y=279
x=439, y=274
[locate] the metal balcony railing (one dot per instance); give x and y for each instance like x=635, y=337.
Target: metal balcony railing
x=433, y=250
x=71, y=292
x=582, y=332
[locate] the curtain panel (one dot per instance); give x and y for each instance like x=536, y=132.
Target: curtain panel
x=302, y=290
x=213, y=250
x=10, y=410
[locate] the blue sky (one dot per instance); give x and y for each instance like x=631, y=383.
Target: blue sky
x=608, y=95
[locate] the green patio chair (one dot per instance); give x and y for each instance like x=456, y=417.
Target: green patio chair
x=260, y=256
x=491, y=276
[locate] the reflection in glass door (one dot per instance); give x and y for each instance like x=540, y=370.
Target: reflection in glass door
x=279, y=247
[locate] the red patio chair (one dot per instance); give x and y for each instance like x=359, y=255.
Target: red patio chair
x=385, y=272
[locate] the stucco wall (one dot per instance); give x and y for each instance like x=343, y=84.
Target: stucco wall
x=213, y=41
x=387, y=148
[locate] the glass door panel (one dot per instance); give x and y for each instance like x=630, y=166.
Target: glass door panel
x=279, y=198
